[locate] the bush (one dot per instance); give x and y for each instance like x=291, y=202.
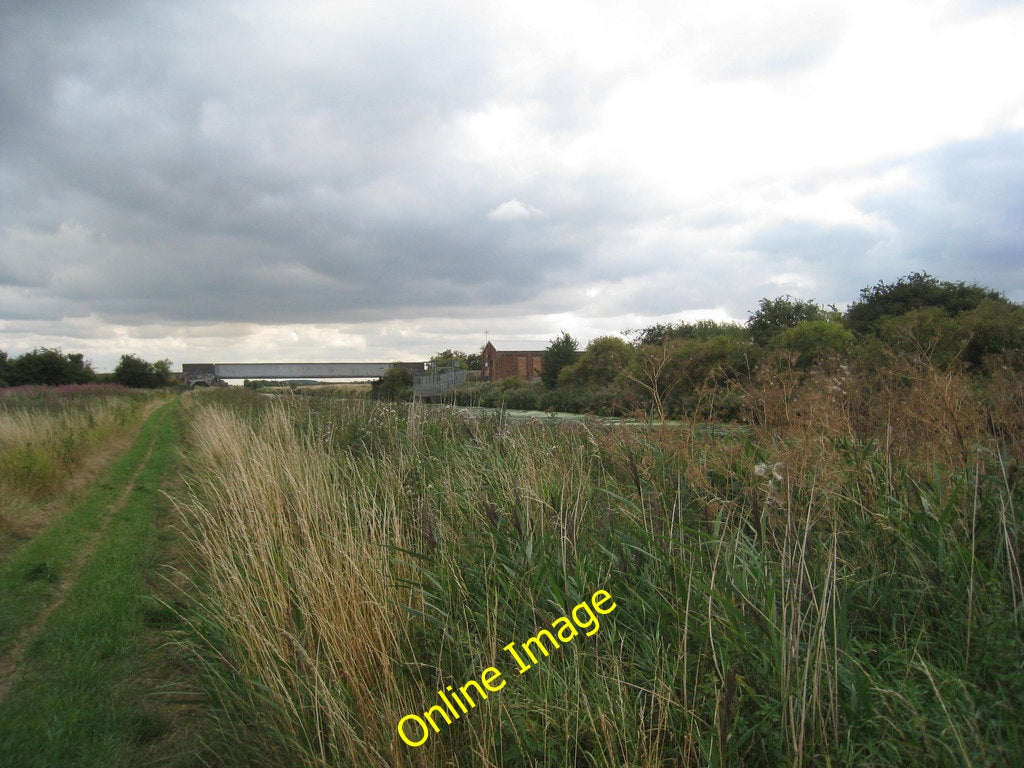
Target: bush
x=601, y=362
x=915, y=291
x=561, y=353
x=136, y=373
x=607, y=400
x=49, y=366
x=776, y=315
x=994, y=328
x=395, y=384
x=813, y=341
x=524, y=398
x=927, y=334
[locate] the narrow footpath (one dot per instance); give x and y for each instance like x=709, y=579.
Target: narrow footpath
x=75, y=609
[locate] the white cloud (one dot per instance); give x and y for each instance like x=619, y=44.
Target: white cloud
x=315, y=172
x=514, y=210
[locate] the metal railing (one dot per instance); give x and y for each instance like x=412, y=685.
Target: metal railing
x=436, y=384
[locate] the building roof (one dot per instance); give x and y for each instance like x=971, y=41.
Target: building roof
x=520, y=346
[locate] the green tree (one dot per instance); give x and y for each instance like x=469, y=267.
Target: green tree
x=679, y=377
x=50, y=366
x=702, y=330
x=657, y=370
x=448, y=359
x=163, y=372
x=706, y=330
x=918, y=290
x=813, y=341
x=993, y=328
x=601, y=363
x=655, y=334
x=136, y=373
x=3, y=368
x=560, y=353
x=773, y=316
x=927, y=335
x=395, y=384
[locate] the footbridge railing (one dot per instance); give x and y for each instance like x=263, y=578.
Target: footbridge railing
x=436, y=384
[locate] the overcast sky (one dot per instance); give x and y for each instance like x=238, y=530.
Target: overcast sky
x=343, y=181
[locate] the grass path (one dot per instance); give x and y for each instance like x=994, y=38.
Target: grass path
x=74, y=616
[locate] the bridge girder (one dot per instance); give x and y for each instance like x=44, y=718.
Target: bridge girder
x=195, y=373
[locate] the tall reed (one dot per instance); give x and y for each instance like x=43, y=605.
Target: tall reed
x=788, y=596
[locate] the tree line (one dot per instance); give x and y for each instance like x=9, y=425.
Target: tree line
x=54, y=367
x=701, y=369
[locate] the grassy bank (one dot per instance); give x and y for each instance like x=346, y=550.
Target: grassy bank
x=791, y=596
x=75, y=614
x=47, y=436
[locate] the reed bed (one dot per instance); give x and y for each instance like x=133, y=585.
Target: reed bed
x=797, y=595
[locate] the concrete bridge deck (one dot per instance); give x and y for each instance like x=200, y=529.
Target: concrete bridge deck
x=208, y=373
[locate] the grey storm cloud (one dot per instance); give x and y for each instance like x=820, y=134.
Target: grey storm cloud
x=224, y=173
x=189, y=164
x=958, y=215
x=813, y=242
x=965, y=216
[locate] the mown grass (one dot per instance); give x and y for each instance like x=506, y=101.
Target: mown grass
x=854, y=602
x=73, y=701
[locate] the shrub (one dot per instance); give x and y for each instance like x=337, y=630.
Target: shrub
x=776, y=315
x=51, y=367
x=918, y=290
x=395, y=384
x=813, y=341
x=559, y=354
x=601, y=362
x=136, y=373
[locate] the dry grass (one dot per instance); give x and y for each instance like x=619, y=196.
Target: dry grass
x=51, y=445
x=858, y=599
x=294, y=550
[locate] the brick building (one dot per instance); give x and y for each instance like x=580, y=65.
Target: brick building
x=502, y=359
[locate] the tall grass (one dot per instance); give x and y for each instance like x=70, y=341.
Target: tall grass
x=854, y=601
x=46, y=433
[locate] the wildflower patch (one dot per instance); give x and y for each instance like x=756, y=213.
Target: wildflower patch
x=416, y=729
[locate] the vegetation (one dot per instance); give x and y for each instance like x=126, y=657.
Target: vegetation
x=834, y=578
x=395, y=384
x=838, y=584
x=700, y=370
x=774, y=316
x=561, y=353
x=453, y=359
x=47, y=366
x=54, y=368
x=135, y=372
x=73, y=615
x=916, y=291
x=599, y=365
x=46, y=434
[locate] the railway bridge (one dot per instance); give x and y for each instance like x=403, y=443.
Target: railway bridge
x=205, y=374
x=424, y=385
